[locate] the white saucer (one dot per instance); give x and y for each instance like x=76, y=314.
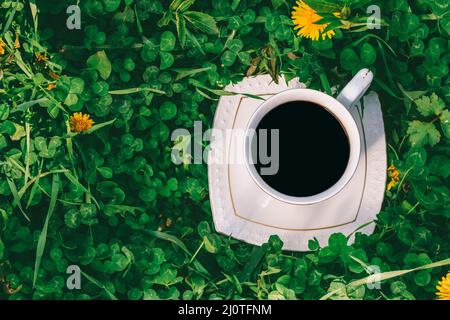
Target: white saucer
x=244, y=211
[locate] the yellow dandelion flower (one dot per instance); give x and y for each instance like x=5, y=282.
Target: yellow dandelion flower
x=80, y=122
x=304, y=18
x=443, y=288
x=2, y=47
x=394, y=175
x=41, y=57
x=17, y=42
x=54, y=75
x=51, y=86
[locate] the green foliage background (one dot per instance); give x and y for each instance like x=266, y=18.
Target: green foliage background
x=139, y=227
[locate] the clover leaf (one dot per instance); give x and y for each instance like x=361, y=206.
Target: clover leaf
x=168, y=41
x=120, y=262
x=228, y=58
x=407, y=26
x=348, y=59
x=147, y=194
x=111, y=5
x=212, y=242
x=167, y=60
x=100, y=62
x=368, y=54
x=168, y=110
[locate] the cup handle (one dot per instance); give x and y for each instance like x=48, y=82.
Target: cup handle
x=356, y=88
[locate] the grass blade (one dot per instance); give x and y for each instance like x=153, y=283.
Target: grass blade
x=220, y=92
x=23, y=107
x=135, y=90
x=75, y=181
x=69, y=135
x=39, y=176
x=21, y=64
x=13, y=188
x=100, y=285
x=385, y=276
x=27, y=154
x=100, y=125
x=10, y=20
x=183, y=73
x=167, y=237
x=43, y=236
x=257, y=254
x=34, y=187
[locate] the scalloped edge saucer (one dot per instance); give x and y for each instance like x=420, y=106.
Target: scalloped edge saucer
x=241, y=211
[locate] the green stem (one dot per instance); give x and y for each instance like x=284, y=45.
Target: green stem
x=393, y=150
x=27, y=155
x=401, y=181
x=197, y=251
x=25, y=187
x=412, y=209
x=325, y=83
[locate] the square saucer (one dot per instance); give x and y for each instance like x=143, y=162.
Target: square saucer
x=241, y=209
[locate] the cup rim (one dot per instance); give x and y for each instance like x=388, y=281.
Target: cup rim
x=333, y=106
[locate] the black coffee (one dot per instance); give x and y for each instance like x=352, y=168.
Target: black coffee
x=313, y=149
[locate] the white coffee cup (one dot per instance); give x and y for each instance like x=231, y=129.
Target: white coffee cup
x=338, y=107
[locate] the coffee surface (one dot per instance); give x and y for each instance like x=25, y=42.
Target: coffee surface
x=313, y=149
